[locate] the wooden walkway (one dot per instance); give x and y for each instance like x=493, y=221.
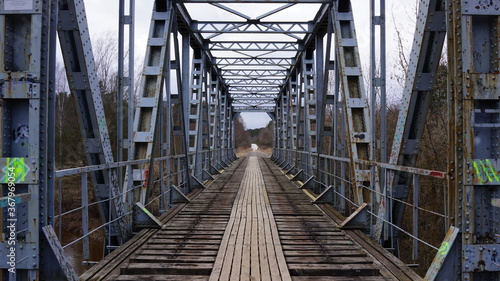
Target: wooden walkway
x=251, y=247
x=252, y=223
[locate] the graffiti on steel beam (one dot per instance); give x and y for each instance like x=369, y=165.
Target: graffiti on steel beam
x=444, y=249
x=485, y=171
x=16, y=166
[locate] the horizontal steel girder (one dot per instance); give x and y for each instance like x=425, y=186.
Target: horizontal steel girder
x=255, y=46
x=281, y=62
x=253, y=108
x=255, y=1
x=252, y=27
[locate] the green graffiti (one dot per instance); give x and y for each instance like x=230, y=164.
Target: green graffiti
x=102, y=123
x=147, y=212
x=485, y=171
x=444, y=249
x=15, y=170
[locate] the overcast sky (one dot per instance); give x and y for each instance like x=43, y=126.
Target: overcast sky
x=103, y=18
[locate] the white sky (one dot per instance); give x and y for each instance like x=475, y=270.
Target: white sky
x=103, y=18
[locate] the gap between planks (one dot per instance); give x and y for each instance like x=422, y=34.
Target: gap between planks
x=251, y=248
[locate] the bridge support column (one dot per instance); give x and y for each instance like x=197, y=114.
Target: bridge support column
x=474, y=110
x=27, y=163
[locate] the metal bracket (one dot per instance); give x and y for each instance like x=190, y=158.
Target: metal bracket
x=298, y=176
x=286, y=166
x=225, y=162
x=196, y=183
x=206, y=175
x=221, y=167
x=444, y=265
x=59, y=253
x=290, y=171
x=308, y=184
x=143, y=218
x=358, y=219
x=325, y=196
x=177, y=196
x=213, y=170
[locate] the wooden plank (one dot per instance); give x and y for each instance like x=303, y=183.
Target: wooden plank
x=254, y=247
x=235, y=266
x=176, y=253
x=172, y=259
x=283, y=268
x=224, y=247
x=339, y=253
x=340, y=278
x=271, y=254
x=245, y=257
x=168, y=268
x=156, y=278
x=166, y=241
x=264, y=263
x=329, y=260
x=334, y=269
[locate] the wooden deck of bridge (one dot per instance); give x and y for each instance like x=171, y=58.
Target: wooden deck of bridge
x=252, y=223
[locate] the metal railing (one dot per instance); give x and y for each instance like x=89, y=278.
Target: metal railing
x=76, y=204
x=333, y=173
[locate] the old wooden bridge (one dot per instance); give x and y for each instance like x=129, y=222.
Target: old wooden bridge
x=155, y=177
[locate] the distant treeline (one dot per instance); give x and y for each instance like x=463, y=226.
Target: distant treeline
x=244, y=138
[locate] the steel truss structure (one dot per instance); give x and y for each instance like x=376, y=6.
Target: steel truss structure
x=208, y=61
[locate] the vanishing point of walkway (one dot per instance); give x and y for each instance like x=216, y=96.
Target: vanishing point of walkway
x=252, y=223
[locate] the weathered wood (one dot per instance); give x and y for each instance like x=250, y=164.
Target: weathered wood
x=315, y=248
x=386, y=259
x=334, y=269
x=254, y=239
x=340, y=278
x=113, y=261
x=170, y=268
x=156, y=278
x=171, y=259
x=252, y=223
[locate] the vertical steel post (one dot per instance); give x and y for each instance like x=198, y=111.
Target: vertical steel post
x=355, y=101
x=125, y=82
x=131, y=103
x=85, y=216
x=474, y=59
x=295, y=116
x=146, y=115
x=119, y=93
x=27, y=68
x=378, y=86
x=415, y=216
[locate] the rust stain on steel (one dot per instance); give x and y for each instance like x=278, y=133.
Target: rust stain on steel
x=484, y=85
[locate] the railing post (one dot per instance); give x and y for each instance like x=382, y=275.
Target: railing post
x=415, y=216
x=85, y=216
